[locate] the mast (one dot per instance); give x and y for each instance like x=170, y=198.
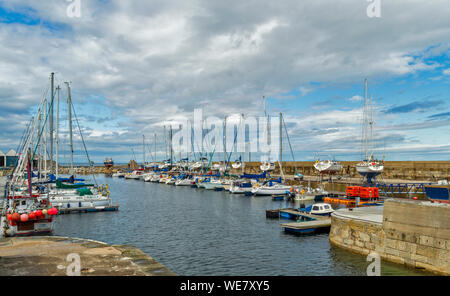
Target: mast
x=225, y=141
x=365, y=123
x=51, y=119
x=143, y=150
x=154, y=143
x=243, y=146
x=281, y=137
x=171, y=151
x=165, y=142
x=371, y=130
x=45, y=138
x=69, y=102
x=57, y=131
x=187, y=140
x=180, y=130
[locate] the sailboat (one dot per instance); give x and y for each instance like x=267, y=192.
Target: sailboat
x=27, y=211
x=327, y=166
x=369, y=167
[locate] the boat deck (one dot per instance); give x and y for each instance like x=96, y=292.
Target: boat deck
x=88, y=209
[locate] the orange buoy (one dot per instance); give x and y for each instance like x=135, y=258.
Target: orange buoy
x=9, y=217
x=24, y=218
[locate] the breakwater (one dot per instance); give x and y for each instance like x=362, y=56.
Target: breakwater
x=412, y=233
x=394, y=170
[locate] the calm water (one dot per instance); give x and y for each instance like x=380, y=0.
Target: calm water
x=199, y=232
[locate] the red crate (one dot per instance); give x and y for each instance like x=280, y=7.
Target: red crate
x=353, y=191
x=369, y=192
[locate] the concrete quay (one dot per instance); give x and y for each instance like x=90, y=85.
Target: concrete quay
x=412, y=233
x=49, y=256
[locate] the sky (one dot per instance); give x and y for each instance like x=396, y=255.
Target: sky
x=135, y=66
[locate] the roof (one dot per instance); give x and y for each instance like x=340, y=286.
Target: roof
x=11, y=153
x=2, y=153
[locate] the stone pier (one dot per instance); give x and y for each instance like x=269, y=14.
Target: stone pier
x=413, y=233
x=54, y=256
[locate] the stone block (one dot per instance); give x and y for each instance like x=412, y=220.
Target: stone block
x=364, y=237
x=426, y=240
x=439, y=243
x=426, y=251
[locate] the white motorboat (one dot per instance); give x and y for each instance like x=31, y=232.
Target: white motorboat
x=322, y=209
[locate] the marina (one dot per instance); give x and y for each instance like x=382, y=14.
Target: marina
x=242, y=139
x=194, y=231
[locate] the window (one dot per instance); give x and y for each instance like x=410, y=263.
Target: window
x=315, y=208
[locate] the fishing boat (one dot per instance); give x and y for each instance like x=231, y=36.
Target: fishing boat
x=369, y=167
x=108, y=162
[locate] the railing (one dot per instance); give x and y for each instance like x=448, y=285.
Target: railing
x=403, y=188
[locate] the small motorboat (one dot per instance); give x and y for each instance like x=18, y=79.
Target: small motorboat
x=322, y=209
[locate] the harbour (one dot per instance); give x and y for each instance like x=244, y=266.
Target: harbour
x=207, y=139
x=197, y=232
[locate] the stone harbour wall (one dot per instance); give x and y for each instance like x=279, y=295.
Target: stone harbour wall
x=412, y=233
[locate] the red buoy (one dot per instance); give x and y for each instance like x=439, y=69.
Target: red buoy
x=32, y=216
x=15, y=217
x=24, y=218
x=415, y=197
x=38, y=213
x=9, y=217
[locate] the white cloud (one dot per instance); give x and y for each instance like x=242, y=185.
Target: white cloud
x=356, y=98
x=158, y=60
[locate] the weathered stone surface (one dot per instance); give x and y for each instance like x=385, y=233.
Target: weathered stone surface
x=43, y=256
